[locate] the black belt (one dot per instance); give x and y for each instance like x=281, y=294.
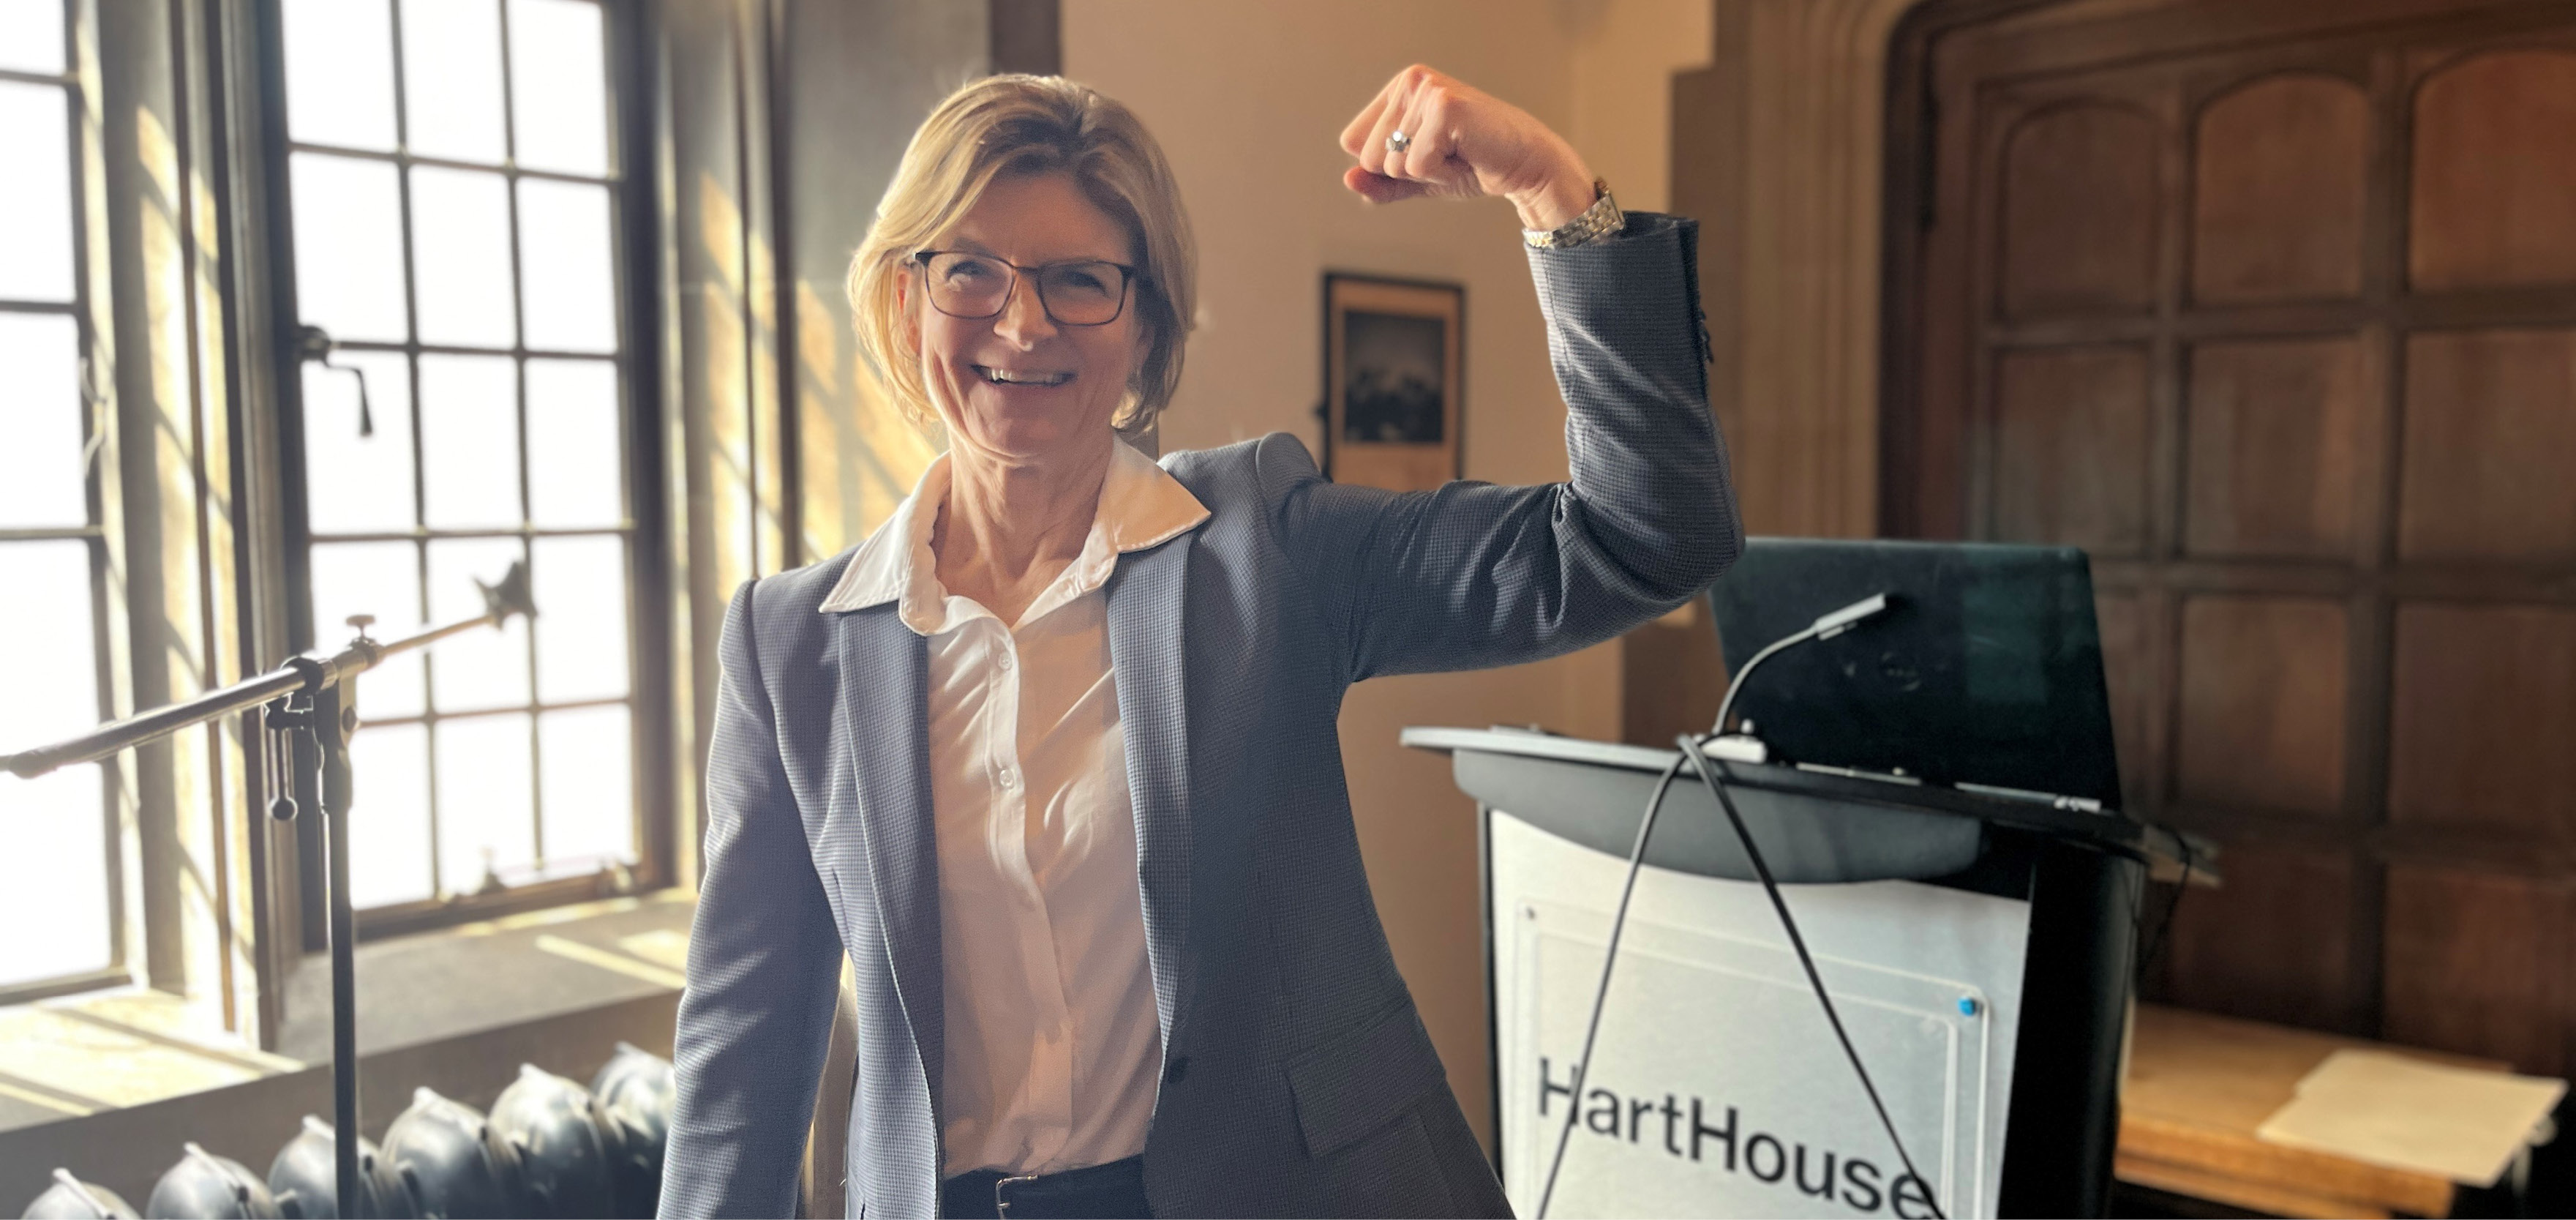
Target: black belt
x=1115, y=1191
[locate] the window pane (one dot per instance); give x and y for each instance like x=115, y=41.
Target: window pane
x=41, y=475
x=486, y=806
x=35, y=193
x=389, y=849
x=54, y=873
x=460, y=223
x=48, y=691
x=382, y=579
x=574, y=453
x=570, y=282
x=31, y=35
x=559, y=86
x=54, y=876
x=452, y=79
x=340, y=72
x=469, y=440
x=588, y=784
x=482, y=668
x=580, y=587
x=358, y=484
x=348, y=247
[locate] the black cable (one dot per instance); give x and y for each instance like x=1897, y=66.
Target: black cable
x=1708, y=775
x=1618, y=920
x=1618, y=923
x=2156, y=944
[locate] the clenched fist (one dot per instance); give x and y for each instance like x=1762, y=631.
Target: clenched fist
x=1460, y=142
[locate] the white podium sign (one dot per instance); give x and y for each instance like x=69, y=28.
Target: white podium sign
x=1717, y=1087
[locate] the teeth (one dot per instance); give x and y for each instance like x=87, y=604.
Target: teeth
x=998, y=377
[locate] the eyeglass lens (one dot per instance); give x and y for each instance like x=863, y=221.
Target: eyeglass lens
x=1074, y=294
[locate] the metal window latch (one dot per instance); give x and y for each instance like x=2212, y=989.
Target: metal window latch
x=312, y=343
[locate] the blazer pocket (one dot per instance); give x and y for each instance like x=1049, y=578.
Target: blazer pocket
x=1394, y=1172
x=1362, y=1081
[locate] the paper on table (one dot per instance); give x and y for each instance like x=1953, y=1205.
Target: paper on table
x=2460, y=1123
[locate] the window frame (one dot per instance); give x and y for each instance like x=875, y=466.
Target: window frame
x=80, y=85
x=633, y=181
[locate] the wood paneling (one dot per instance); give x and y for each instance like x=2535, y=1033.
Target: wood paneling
x=2490, y=454
x=2263, y=691
x=2275, y=430
x=2071, y=447
x=2278, y=185
x=2080, y=212
x=2125, y=657
x=2494, y=188
x=2271, y=305
x=2225, y=943
x=1672, y=677
x=2483, y=720
x=2475, y=964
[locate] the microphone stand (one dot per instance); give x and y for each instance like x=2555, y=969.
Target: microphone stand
x=313, y=698
x=1825, y=627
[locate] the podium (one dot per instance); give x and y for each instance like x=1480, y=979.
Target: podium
x=1980, y=949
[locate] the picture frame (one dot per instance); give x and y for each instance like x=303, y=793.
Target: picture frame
x=1395, y=373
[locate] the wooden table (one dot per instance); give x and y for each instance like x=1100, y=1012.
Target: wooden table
x=2198, y=1087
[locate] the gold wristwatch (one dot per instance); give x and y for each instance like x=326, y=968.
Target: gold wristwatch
x=1602, y=219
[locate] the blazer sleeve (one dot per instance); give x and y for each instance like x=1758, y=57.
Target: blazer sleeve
x=1473, y=575
x=764, y=966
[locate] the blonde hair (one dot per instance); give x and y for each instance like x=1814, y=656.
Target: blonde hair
x=1019, y=124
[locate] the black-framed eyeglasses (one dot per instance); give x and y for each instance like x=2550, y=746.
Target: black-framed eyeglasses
x=1076, y=292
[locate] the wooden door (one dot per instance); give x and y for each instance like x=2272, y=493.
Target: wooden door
x=2271, y=306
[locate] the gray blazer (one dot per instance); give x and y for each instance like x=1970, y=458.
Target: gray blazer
x=1297, y=1078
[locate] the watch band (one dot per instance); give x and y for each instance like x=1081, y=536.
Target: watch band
x=1602, y=219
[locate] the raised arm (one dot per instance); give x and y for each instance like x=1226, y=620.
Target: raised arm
x=1474, y=575
x=764, y=962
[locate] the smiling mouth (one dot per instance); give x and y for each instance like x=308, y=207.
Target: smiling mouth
x=1021, y=377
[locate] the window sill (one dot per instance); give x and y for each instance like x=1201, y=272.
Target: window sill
x=495, y=973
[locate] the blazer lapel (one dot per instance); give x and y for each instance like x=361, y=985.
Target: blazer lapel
x=884, y=727
x=1145, y=650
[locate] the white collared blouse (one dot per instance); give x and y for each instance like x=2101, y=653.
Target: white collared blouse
x=1053, y=1048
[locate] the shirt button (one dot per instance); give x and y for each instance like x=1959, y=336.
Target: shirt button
x=1005, y=663
x=1179, y=1071
x=1010, y=778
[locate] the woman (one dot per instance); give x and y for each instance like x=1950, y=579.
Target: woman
x=1052, y=756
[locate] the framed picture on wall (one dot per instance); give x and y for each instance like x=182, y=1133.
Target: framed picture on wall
x=1394, y=381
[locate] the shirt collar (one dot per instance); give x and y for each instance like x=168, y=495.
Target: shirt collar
x=1141, y=506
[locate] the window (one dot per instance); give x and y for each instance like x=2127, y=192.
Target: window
x=57, y=872
x=452, y=181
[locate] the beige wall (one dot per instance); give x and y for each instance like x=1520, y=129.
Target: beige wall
x=1249, y=100
x=1624, y=55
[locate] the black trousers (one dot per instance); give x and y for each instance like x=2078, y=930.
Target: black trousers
x=1115, y=1191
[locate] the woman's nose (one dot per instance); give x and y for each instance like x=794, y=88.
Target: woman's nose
x=1024, y=320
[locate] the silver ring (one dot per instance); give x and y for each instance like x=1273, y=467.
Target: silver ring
x=1397, y=142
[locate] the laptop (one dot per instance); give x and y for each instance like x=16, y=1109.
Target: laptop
x=1985, y=672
